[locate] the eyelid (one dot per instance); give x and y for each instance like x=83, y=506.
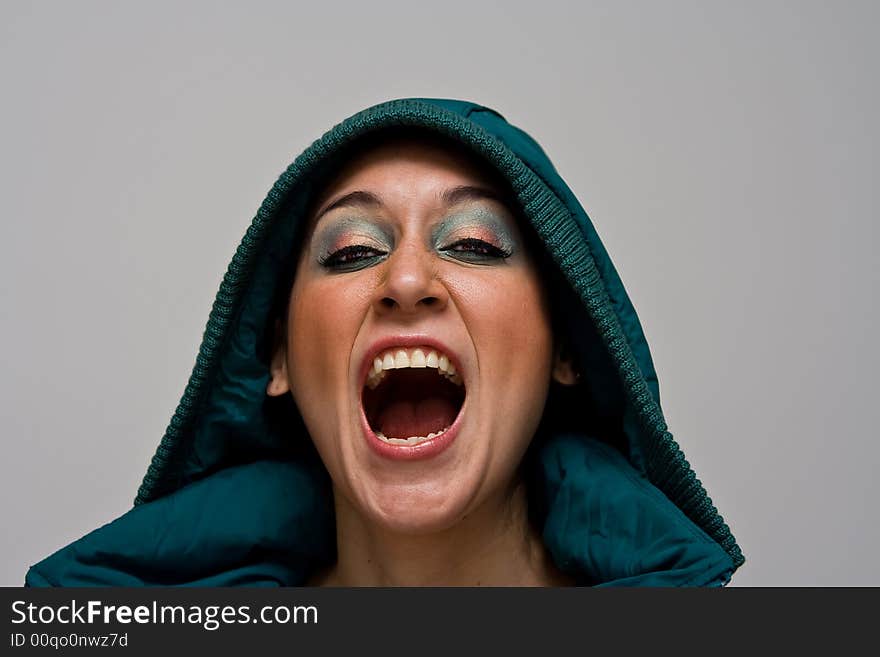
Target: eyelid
x=352, y=247
x=347, y=231
x=469, y=239
x=330, y=260
x=464, y=227
x=481, y=253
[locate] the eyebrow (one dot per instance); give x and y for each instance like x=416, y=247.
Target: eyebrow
x=448, y=197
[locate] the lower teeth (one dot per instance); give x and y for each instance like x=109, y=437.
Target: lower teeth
x=412, y=440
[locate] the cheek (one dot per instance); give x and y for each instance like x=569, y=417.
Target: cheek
x=511, y=329
x=509, y=323
x=324, y=318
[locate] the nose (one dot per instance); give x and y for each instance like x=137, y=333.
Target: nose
x=410, y=284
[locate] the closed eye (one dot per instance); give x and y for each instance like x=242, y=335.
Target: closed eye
x=475, y=249
x=351, y=257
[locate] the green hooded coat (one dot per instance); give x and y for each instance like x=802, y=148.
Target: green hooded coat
x=235, y=494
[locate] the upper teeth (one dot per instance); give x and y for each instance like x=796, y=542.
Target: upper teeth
x=398, y=358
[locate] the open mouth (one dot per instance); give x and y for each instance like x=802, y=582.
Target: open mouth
x=412, y=395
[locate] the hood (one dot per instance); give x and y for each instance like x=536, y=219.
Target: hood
x=235, y=494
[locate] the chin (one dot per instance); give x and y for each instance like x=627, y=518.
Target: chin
x=416, y=509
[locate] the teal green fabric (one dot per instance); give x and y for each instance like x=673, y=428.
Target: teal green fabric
x=235, y=494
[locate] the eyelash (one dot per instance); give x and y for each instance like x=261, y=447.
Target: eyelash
x=478, y=247
x=355, y=255
x=340, y=259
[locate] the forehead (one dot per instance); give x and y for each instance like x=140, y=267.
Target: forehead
x=406, y=163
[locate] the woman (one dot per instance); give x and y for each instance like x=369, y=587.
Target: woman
x=421, y=369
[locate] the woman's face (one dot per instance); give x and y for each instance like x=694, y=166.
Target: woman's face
x=412, y=263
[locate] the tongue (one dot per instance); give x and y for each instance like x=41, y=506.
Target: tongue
x=403, y=418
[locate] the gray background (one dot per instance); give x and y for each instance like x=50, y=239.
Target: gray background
x=727, y=153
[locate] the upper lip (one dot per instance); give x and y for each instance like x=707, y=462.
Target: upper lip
x=410, y=340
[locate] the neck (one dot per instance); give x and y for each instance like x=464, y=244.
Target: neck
x=493, y=546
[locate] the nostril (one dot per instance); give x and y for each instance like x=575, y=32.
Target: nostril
x=389, y=302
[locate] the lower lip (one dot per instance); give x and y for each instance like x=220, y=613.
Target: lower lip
x=426, y=450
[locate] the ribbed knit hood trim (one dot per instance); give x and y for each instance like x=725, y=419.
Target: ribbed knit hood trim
x=569, y=238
